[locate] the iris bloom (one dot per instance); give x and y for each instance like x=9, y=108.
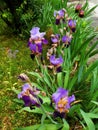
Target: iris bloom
x=55, y=38
x=66, y=40
x=35, y=41
x=36, y=36
x=72, y=24
x=62, y=102
x=59, y=15
x=29, y=96
x=56, y=61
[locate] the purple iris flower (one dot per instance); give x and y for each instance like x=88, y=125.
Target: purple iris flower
x=36, y=48
x=62, y=101
x=35, y=34
x=66, y=40
x=29, y=43
x=59, y=15
x=44, y=41
x=56, y=61
x=55, y=38
x=72, y=24
x=29, y=95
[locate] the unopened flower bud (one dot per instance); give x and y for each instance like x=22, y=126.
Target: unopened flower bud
x=81, y=13
x=23, y=77
x=43, y=93
x=78, y=8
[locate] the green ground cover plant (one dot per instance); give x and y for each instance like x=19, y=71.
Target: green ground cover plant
x=12, y=62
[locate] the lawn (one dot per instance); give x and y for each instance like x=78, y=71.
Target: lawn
x=11, y=65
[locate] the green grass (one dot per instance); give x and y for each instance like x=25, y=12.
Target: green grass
x=10, y=68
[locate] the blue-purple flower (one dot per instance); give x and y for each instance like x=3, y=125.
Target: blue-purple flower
x=66, y=40
x=62, y=102
x=29, y=95
x=55, y=38
x=59, y=16
x=36, y=48
x=72, y=24
x=36, y=41
x=56, y=61
x=36, y=36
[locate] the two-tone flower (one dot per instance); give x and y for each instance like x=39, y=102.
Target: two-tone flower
x=30, y=96
x=72, y=25
x=66, y=40
x=59, y=16
x=37, y=37
x=36, y=41
x=62, y=102
x=56, y=62
x=55, y=39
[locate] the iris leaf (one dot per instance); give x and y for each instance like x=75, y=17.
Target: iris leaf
x=88, y=121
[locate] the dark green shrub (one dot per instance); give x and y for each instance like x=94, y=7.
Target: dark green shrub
x=20, y=15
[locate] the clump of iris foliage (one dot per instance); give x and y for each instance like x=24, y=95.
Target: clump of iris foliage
x=64, y=92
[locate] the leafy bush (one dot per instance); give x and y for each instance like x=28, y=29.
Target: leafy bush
x=20, y=15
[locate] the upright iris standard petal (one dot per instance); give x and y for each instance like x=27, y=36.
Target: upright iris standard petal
x=72, y=24
x=62, y=101
x=60, y=93
x=61, y=13
x=56, y=61
x=35, y=34
x=29, y=95
x=34, y=30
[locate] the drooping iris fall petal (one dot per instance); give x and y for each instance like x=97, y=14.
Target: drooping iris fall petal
x=29, y=95
x=56, y=61
x=66, y=40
